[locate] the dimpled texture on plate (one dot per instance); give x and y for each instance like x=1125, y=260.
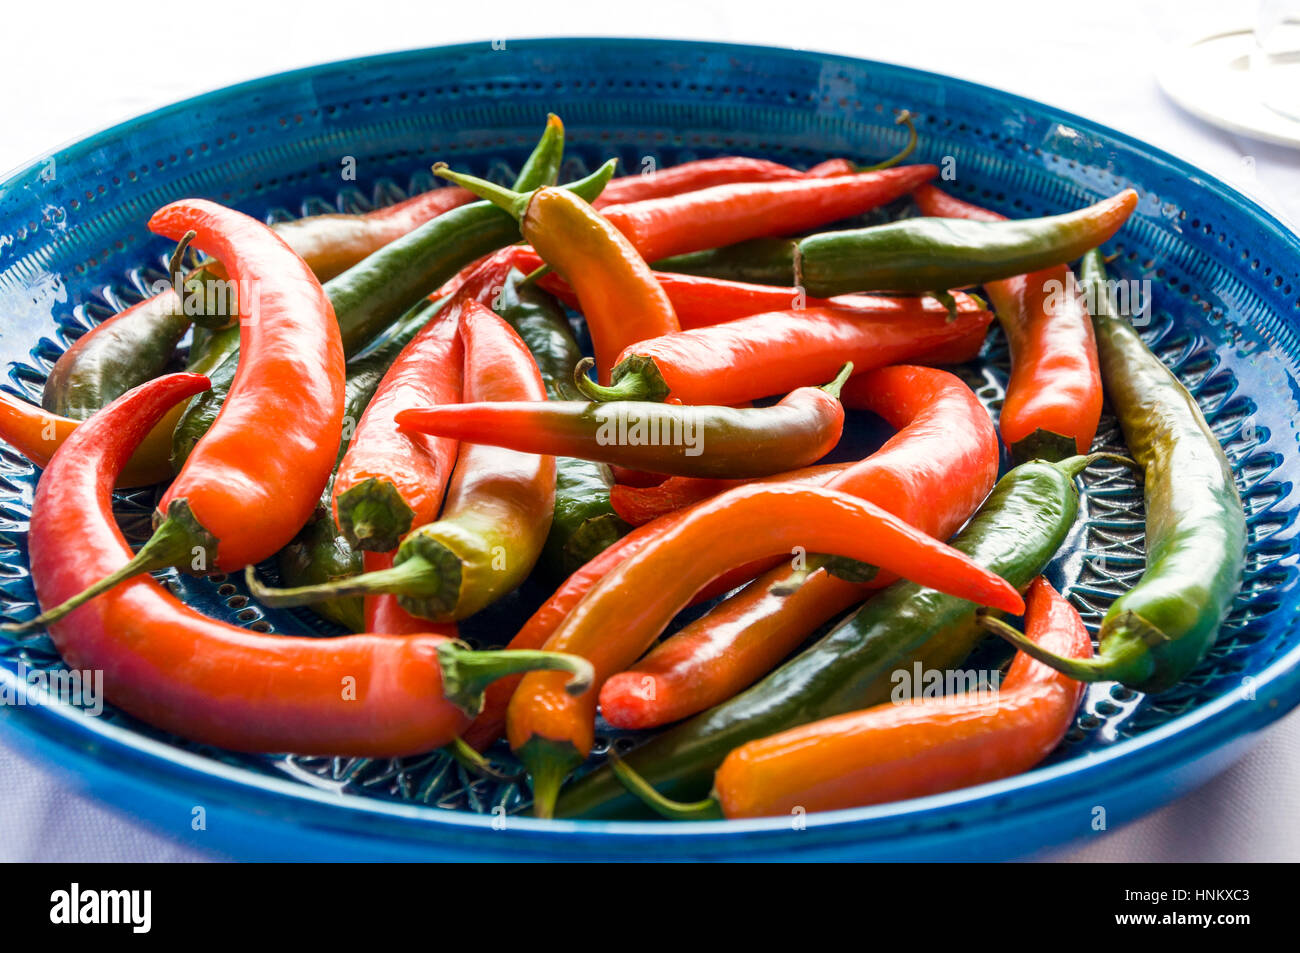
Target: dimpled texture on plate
x=1223, y=295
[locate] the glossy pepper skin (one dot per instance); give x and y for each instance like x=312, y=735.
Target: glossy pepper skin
x=1155, y=634
x=777, y=352
x=644, y=504
x=897, y=751
x=254, y=480
x=585, y=522
x=726, y=170
x=690, y=176
x=915, y=255
x=618, y=295
x=661, y=438
x=1053, y=399
x=725, y=214
x=390, y=480
x=131, y=347
x=320, y=553
x=928, y=254
x=215, y=683
x=498, y=507
x=37, y=434
x=371, y=295
x=913, y=747
x=701, y=301
x=627, y=609
x=1014, y=534
x=256, y=476
x=137, y=344
x=763, y=261
x=934, y=473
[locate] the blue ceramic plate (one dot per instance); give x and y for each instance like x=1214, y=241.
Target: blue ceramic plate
x=1225, y=298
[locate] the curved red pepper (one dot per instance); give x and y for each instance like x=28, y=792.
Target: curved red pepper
x=627, y=609
x=255, y=478
x=363, y=695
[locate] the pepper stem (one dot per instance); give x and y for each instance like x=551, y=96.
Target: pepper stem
x=508, y=199
x=904, y=117
x=172, y=544
x=548, y=763
x=176, y=264
x=636, y=378
x=946, y=299
x=538, y=272
x=466, y=673
x=833, y=388
x=411, y=577
x=1096, y=669
x=1073, y=466
x=471, y=760
x=707, y=810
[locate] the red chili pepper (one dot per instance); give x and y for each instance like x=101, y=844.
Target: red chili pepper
x=638, y=505
x=779, y=351
x=1053, y=400
x=690, y=441
x=498, y=510
x=726, y=214
x=363, y=695
x=701, y=301
x=37, y=434
x=628, y=609
x=933, y=473
x=255, y=478
x=831, y=167
x=897, y=751
x=620, y=299
x=692, y=176
x=392, y=480
x=727, y=170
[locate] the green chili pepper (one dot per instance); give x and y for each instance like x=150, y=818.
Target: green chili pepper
x=698, y=441
x=1158, y=631
x=1014, y=534
x=320, y=553
x=918, y=255
x=123, y=352
x=585, y=523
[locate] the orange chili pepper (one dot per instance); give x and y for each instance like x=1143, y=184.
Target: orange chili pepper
x=726, y=214
x=627, y=609
x=620, y=299
x=37, y=434
x=908, y=749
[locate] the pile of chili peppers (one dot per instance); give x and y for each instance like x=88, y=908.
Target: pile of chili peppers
x=392, y=412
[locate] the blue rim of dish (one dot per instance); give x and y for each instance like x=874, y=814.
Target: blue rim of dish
x=1273, y=693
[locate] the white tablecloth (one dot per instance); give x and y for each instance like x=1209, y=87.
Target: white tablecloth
x=65, y=73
